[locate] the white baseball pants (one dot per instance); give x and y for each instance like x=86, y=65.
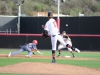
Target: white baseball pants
x=61, y=46
x=54, y=39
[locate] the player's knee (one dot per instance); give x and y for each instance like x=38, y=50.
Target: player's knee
x=53, y=51
x=69, y=49
x=73, y=48
x=68, y=46
x=59, y=47
x=29, y=50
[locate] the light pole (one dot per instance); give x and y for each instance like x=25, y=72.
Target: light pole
x=58, y=19
x=58, y=7
x=18, y=3
x=19, y=14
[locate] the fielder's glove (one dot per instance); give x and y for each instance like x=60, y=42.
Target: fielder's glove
x=65, y=36
x=34, y=53
x=45, y=34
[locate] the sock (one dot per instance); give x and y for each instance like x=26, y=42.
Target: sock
x=53, y=54
x=73, y=55
x=59, y=52
x=53, y=58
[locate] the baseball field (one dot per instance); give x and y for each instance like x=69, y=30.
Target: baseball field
x=85, y=63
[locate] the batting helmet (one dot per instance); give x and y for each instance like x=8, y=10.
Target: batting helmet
x=35, y=42
x=50, y=14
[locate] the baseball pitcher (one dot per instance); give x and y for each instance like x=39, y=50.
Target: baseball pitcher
x=52, y=29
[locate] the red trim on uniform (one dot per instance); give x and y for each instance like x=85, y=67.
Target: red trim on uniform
x=53, y=55
x=58, y=23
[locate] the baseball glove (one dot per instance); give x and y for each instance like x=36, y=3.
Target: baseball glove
x=45, y=34
x=65, y=36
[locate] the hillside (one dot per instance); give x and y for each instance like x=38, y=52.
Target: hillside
x=70, y=7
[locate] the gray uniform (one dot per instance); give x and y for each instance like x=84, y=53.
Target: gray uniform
x=27, y=48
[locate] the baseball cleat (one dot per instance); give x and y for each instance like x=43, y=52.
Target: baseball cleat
x=28, y=56
x=9, y=54
x=58, y=55
x=74, y=56
x=53, y=61
x=77, y=50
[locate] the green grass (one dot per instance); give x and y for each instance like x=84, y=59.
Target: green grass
x=9, y=61
x=48, y=53
x=84, y=63
x=88, y=59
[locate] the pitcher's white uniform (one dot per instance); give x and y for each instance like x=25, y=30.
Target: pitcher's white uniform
x=51, y=27
x=67, y=41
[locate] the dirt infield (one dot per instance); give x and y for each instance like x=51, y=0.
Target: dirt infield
x=46, y=68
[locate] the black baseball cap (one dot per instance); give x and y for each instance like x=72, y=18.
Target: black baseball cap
x=50, y=14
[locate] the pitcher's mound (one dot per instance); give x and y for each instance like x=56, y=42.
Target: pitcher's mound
x=47, y=69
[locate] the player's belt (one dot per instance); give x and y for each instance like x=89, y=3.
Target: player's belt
x=54, y=35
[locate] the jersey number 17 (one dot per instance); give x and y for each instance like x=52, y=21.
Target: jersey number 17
x=55, y=24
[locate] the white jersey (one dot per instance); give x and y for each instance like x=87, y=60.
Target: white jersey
x=67, y=40
x=51, y=27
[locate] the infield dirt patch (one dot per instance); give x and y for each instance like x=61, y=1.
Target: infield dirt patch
x=47, y=69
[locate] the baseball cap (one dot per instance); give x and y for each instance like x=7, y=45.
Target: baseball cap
x=50, y=14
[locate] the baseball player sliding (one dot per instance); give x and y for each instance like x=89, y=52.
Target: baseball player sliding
x=52, y=29
x=30, y=47
x=67, y=40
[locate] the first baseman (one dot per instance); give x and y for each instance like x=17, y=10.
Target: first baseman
x=67, y=40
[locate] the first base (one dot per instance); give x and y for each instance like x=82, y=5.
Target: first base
x=67, y=56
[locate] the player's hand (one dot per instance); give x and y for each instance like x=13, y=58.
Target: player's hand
x=41, y=53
